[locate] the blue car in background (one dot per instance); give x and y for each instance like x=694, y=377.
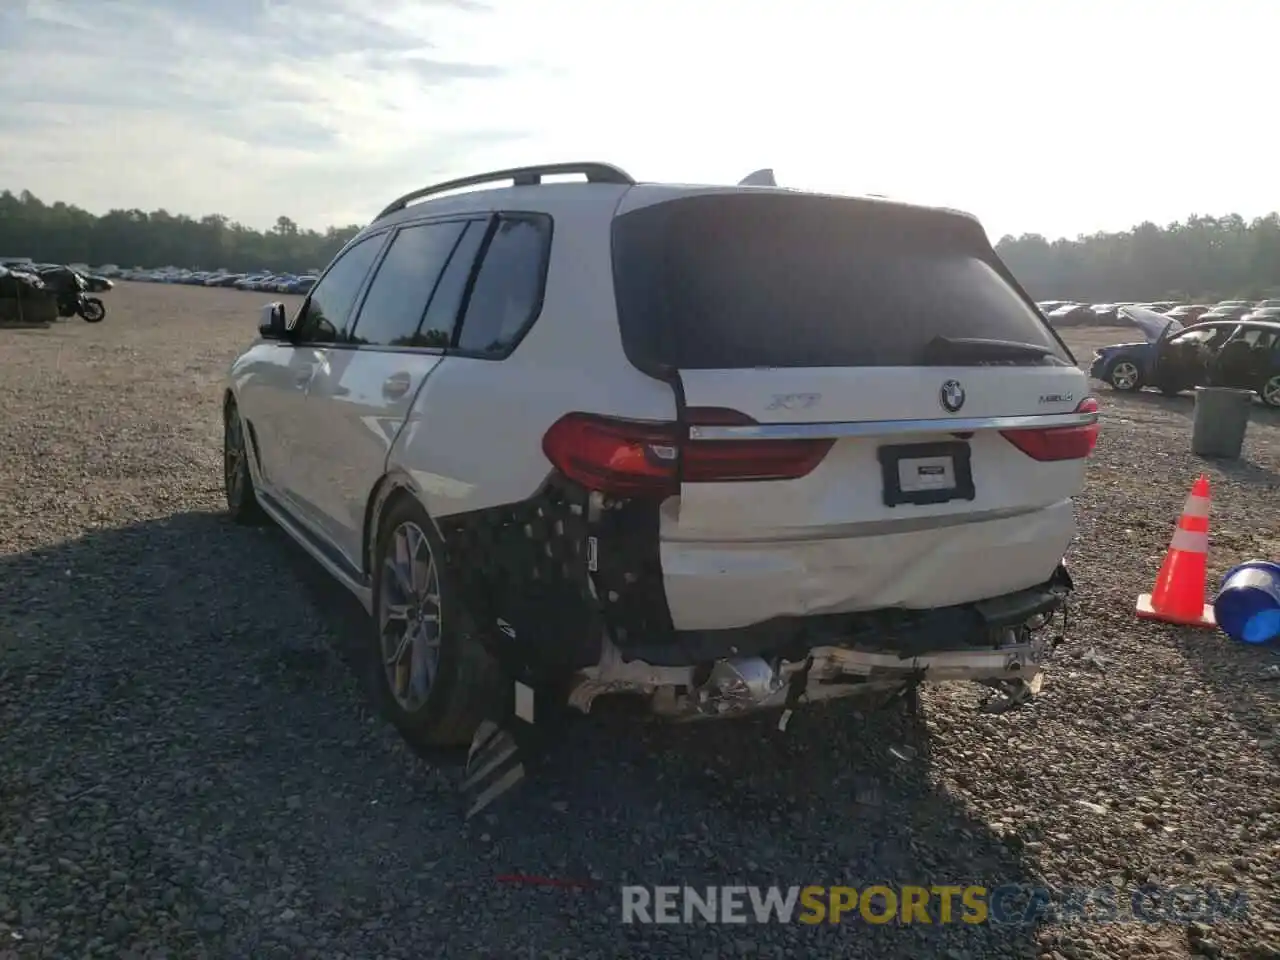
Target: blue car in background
x=1171, y=358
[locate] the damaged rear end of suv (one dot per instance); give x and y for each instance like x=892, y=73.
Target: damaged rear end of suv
x=866, y=482
x=700, y=450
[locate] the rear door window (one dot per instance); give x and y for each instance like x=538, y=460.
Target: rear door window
x=406, y=278
x=724, y=281
x=1260, y=338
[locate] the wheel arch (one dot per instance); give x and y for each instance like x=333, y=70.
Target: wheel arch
x=394, y=486
x=229, y=399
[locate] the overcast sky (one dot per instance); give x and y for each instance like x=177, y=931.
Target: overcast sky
x=1052, y=116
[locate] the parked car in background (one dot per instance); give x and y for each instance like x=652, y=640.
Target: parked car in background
x=1187, y=313
x=97, y=284
x=1048, y=306
x=302, y=284
x=1230, y=310
x=1104, y=314
x=1266, y=304
x=1225, y=353
x=1262, y=313
x=1071, y=315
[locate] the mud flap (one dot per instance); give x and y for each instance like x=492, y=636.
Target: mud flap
x=494, y=765
x=507, y=744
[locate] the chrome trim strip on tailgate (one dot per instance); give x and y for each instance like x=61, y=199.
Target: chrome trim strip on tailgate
x=850, y=531
x=884, y=428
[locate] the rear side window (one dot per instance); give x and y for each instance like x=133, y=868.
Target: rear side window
x=406, y=279
x=726, y=281
x=506, y=296
x=442, y=316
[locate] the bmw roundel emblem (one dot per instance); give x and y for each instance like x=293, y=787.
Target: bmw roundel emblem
x=951, y=396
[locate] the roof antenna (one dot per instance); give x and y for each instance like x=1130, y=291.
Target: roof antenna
x=761, y=178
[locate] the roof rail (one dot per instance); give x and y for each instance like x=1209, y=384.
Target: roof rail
x=519, y=177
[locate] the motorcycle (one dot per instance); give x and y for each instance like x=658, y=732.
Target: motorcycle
x=71, y=290
x=89, y=309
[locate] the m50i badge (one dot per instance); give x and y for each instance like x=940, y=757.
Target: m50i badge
x=1057, y=397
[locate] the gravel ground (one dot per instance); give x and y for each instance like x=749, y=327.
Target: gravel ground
x=188, y=767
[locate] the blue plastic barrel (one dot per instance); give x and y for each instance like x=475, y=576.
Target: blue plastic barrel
x=1248, y=605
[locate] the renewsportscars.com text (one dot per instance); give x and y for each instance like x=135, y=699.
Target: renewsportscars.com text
x=937, y=904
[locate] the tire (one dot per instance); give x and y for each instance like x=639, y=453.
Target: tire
x=93, y=310
x=1269, y=391
x=242, y=501
x=1123, y=375
x=462, y=679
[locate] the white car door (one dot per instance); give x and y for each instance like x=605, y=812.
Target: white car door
x=364, y=390
x=271, y=384
x=322, y=321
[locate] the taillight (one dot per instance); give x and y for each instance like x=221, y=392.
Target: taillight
x=623, y=457
x=629, y=458
x=1058, y=443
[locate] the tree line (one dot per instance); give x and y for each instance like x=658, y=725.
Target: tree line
x=61, y=233
x=1201, y=258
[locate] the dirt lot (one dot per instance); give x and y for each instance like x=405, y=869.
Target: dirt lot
x=188, y=767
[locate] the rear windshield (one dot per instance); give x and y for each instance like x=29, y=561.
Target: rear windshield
x=775, y=280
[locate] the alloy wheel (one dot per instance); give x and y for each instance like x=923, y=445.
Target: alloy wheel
x=1270, y=392
x=409, y=616
x=1124, y=375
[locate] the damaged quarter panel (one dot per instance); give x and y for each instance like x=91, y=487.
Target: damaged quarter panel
x=516, y=532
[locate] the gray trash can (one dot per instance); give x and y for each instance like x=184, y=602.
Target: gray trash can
x=1220, y=422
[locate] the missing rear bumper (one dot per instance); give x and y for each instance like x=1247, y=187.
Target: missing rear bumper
x=1000, y=643
x=739, y=685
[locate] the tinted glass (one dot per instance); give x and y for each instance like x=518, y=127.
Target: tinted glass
x=329, y=307
x=402, y=287
x=442, y=316
x=734, y=281
x=507, y=294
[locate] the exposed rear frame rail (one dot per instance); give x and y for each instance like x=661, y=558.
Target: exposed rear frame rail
x=594, y=171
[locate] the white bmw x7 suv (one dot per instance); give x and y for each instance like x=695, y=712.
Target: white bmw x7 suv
x=723, y=448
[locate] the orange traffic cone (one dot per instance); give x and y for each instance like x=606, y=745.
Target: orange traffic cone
x=1178, y=596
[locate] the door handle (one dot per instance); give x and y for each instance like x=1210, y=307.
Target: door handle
x=396, y=386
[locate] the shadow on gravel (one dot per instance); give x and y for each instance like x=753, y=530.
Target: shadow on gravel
x=175, y=725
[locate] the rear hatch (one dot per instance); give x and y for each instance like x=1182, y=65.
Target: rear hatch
x=861, y=380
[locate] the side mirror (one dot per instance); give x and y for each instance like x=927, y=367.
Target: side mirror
x=272, y=325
